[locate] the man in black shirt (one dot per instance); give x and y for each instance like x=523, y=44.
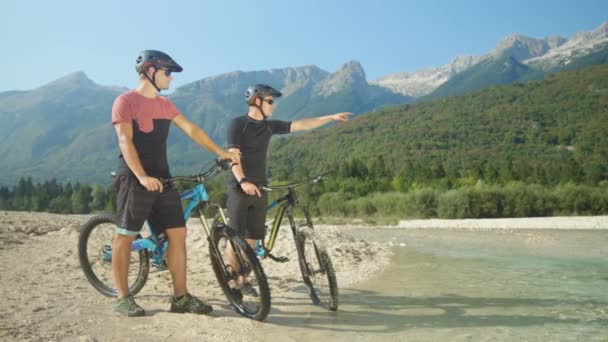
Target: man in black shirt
x=249, y=135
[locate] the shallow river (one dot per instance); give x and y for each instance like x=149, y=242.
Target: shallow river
x=464, y=285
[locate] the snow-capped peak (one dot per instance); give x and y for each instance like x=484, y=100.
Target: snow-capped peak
x=581, y=44
x=423, y=82
x=544, y=53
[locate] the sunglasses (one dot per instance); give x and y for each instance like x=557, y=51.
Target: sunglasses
x=269, y=101
x=167, y=73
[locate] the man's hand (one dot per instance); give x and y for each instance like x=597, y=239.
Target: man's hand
x=151, y=183
x=341, y=116
x=251, y=189
x=234, y=157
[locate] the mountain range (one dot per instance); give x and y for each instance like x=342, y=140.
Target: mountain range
x=62, y=130
x=516, y=58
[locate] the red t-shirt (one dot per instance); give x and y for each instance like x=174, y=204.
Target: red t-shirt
x=151, y=119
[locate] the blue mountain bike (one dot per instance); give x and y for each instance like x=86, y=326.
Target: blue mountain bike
x=95, y=251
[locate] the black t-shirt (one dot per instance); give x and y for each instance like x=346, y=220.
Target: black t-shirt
x=252, y=137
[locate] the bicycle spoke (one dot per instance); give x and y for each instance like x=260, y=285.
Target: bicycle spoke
x=317, y=270
x=240, y=275
x=95, y=253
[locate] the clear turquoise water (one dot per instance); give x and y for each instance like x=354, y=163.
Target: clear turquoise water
x=462, y=285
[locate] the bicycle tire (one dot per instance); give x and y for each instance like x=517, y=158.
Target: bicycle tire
x=87, y=261
x=316, y=266
x=224, y=274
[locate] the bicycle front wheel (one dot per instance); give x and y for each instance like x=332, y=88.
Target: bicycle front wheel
x=317, y=268
x=235, y=264
x=95, y=255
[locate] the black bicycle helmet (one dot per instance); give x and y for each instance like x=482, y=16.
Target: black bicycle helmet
x=260, y=91
x=156, y=59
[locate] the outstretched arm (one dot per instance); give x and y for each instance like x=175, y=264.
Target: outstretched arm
x=201, y=138
x=306, y=124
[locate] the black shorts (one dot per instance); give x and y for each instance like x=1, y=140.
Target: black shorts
x=247, y=214
x=135, y=205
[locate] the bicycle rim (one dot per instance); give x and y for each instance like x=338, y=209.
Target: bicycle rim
x=231, y=268
x=95, y=254
x=317, y=270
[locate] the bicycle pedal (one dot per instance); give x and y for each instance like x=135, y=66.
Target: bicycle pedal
x=160, y=267
x=278, y=259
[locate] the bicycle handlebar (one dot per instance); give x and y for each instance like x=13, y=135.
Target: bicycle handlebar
x=208, y=172
x=312, y=180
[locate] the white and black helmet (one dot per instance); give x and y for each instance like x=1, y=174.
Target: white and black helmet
x=260, y=91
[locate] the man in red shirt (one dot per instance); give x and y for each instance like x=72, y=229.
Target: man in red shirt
x=142, y=119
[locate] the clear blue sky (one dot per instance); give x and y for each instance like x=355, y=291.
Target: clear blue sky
x=45, y=40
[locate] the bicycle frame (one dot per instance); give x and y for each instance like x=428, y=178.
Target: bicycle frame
x=286, y=203
x=198, y=199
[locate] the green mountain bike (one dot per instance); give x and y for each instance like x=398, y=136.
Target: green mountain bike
x=314, y=261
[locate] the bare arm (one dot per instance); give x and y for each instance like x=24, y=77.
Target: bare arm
x=201, y=138
x=307, y=124
x=129, y=153
x=237, y=170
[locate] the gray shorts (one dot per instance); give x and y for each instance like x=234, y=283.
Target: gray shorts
x=247, y=214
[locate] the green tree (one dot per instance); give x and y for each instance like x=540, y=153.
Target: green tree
x=100, y=198
x=81, y=197
x=573, y=171
x=110, y=206
x=60, y=205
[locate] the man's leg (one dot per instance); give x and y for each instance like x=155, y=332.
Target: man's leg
x=167, y=217
x=234, y=262
x=182, y=301
x=256, y=217
x=244, y=278
x=176, y=259
x=237, y=204
x=121, y=256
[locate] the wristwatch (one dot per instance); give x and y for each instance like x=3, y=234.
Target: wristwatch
x=243, y=180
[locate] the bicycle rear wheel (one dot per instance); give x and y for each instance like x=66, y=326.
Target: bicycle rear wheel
x=316, y=266
x=95, y=255
x=229, y=268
